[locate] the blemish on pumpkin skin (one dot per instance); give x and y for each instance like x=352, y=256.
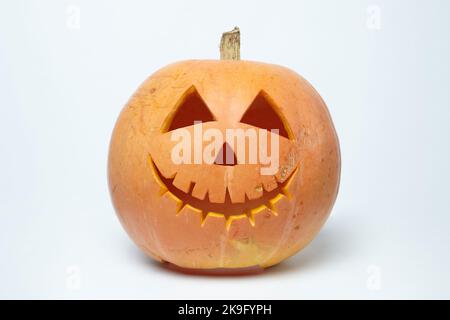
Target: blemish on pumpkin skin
x=291, y=160
x=250, y=248
x=284, y=171
x=270, y=185
x=244, y=240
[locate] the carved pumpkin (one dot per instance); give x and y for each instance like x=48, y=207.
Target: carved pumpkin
x=223, y=214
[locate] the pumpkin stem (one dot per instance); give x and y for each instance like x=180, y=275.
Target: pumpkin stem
x=230, y=45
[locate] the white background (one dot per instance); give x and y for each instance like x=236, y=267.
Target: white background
x=68, y=67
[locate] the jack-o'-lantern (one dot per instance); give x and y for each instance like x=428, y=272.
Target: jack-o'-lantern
x=216, y=204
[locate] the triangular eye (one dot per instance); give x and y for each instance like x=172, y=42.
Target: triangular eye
x=190, y=108
x=264, y=114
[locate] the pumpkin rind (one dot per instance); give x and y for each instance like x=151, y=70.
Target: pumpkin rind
x=192, y=239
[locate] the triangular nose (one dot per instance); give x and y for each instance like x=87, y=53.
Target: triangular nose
x=226, y=156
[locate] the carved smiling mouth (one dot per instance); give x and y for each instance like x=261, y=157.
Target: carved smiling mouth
x=228, y=209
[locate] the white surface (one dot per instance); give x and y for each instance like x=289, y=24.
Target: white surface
x=62, y=87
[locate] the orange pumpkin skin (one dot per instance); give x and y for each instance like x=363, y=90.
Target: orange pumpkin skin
x=184, y=235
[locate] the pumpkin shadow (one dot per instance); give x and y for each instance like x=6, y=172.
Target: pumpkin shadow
x=334, y=242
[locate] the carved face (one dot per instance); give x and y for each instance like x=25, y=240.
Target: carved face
x=223, y=164
x=242, y=157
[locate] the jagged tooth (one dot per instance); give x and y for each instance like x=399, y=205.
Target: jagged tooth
x=210, y=214
x=273, y=201
x=285, y=192
x=256, y=211
x=228, y=223
x=180, y=206
x=271, y=208
x=251, y=218
x=284, y=189
x=179, y=203
x=191, y=187
x=230, y=220
x=203, y=217
x=162, y=191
